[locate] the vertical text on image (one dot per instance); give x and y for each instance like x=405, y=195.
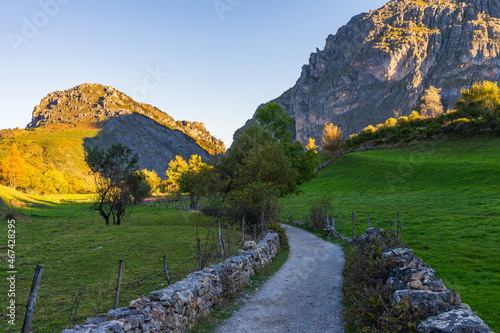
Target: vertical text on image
x=11, y=277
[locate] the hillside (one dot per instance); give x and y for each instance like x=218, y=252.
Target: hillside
x=447, y=194
x=381, y=62
x=66, y=121
x=93, y=103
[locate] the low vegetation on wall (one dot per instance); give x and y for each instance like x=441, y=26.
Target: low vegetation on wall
x=388, y=289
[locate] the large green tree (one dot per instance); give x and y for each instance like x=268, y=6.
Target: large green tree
x=272, y=117
x=118, y=184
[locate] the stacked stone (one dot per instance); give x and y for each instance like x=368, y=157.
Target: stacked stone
x=416, y=281
x=177, y=307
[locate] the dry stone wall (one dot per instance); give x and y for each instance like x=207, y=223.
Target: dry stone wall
x=179, y=306
x=416, y=281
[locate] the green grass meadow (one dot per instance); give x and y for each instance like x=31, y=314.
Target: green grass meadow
x=81, y=255
x=448, y=196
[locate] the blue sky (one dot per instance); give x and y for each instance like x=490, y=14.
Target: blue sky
x=208, y=61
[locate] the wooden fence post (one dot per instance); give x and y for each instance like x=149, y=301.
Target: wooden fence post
x=169, y=278
x=199, y=254
x=353, y=225
x=228, y=237
x=117, y=296
x=69, y=209
x=243, y=233
x=220, y=241
x=32, y=299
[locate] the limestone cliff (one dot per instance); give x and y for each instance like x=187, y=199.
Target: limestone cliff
x=382, y=61
x=91, y=103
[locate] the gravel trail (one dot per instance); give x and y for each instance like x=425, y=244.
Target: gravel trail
x=303, y=296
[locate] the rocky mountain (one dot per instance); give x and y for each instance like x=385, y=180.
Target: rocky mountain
x=151, y=133
x=381, y=62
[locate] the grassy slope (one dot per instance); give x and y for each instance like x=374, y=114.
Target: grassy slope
x=56, y=145
x=68, y=248
x=449, y=199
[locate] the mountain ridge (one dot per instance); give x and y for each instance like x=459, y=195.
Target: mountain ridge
x=381, y=62
x=66, y=122
x=91, y=103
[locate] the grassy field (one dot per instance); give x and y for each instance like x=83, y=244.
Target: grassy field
x=448, y=196
x=59, y=146
x=81, y=256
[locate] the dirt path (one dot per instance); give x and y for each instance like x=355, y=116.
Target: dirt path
x=303, y=296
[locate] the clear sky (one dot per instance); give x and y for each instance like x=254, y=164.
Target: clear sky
x=200, y=60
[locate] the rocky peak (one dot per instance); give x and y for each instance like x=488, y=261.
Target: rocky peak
x=90, y=103
x=382, y=61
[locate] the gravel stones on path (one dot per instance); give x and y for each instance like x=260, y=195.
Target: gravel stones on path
x=303, y=296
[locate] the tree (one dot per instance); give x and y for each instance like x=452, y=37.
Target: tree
x=118, y=184
x=311, y=144
x=268, y=164
x=272, y=117
x=414, y=116
x=176, y=168
x=332, y=138
x=481, y=99
x=391, y=122
x=14, y=168
x=431, y=105
x=198, y=182
x=152, y=179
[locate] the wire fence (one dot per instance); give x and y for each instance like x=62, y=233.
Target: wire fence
x=59, y=307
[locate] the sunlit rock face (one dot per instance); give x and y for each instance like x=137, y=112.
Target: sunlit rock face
x=381, y=62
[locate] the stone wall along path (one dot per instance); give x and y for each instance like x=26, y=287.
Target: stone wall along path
x=303, y=296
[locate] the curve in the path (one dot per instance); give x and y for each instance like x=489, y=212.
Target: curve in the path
x=303, y=296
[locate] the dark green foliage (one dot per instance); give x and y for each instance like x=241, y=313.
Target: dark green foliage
x=271, y=116
x=118, y=183
x=269, y=165
x=368, y=301
x=261, y=165
x=250, y=202
x=318, y=212
x=277, y=228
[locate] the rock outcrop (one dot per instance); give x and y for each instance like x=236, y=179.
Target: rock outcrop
x=152, y=134
x=94, y=103
x=381, y=62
